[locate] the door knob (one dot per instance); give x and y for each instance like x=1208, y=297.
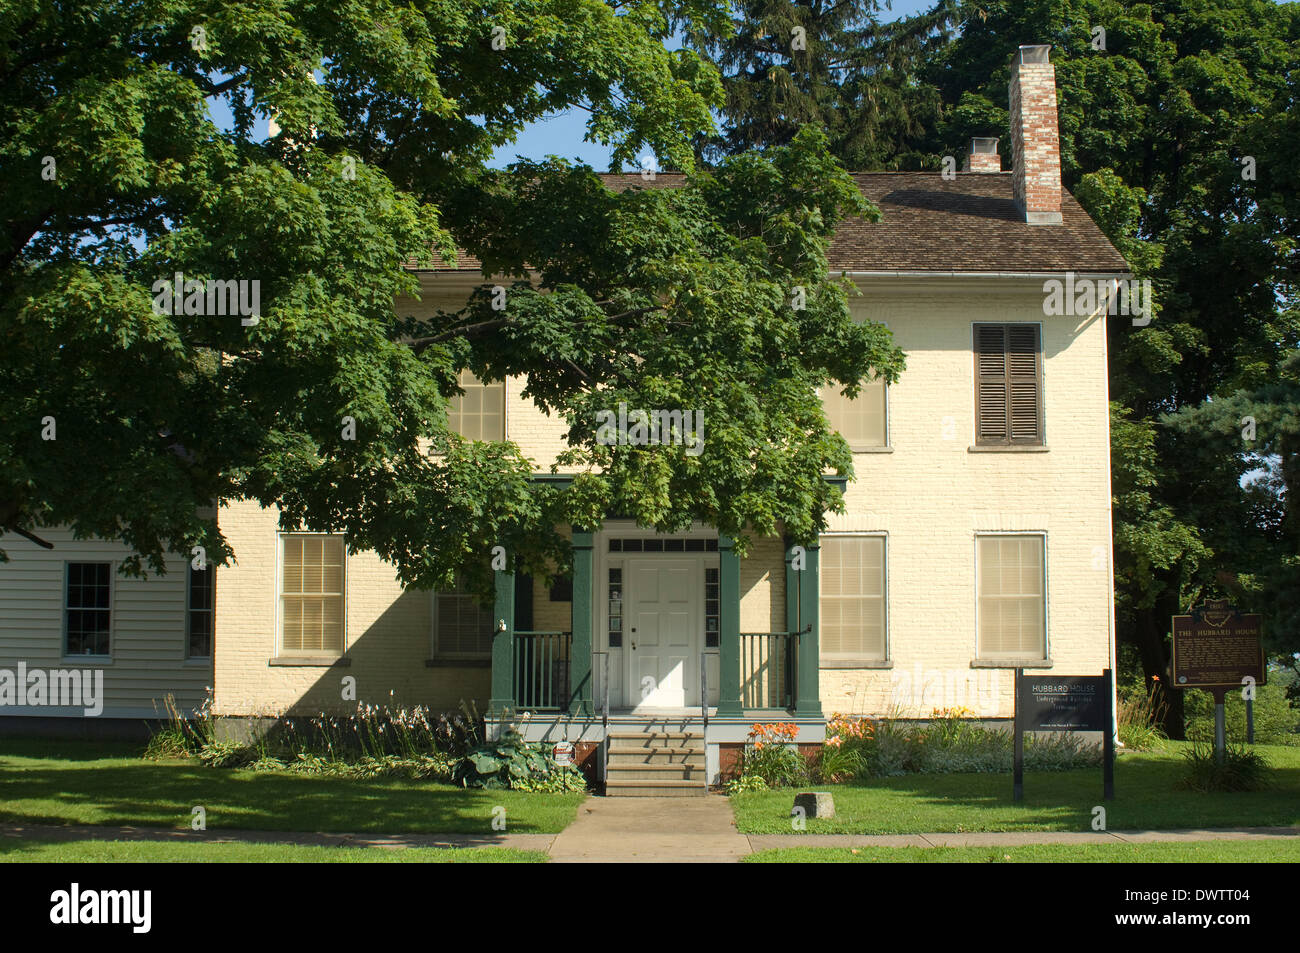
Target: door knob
x=634, y=645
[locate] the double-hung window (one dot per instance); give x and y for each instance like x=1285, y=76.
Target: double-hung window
x=311, y=594
x=852, y=616
x=462, y=624
x=200, y=611
x=1012, y=597
x=480, y=412
x=87, y=608
x=862, y=421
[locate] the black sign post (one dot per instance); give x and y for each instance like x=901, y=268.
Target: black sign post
x=1064, y=703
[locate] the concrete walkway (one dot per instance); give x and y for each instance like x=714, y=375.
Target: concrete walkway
x=644, y=830
x=652, y=830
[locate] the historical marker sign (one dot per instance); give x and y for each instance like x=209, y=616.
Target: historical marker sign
x=1215, y=647
x=1063, y=702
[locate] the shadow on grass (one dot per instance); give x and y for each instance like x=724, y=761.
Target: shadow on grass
x=163, y=794
x=68, y=749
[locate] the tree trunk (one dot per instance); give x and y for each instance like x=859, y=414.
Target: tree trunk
x=1149, y=636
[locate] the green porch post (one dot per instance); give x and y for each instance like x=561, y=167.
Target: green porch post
x=791, y=588
x=809, y=700
x=503, y=644
x=728, y=627
x=580, y=652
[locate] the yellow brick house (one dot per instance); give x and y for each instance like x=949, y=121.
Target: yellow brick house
x=976, y=536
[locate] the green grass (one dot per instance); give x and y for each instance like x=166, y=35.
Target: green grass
x=1148, y=789
x=77, y=782
x=161, y=852
x=1191, y=852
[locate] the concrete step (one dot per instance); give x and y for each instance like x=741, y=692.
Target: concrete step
x=656, y=739
x=651, y=755
x=659, y=772
x=635, y=787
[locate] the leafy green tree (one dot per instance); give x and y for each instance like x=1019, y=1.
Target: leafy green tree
x=836, y=64
x=126, y=419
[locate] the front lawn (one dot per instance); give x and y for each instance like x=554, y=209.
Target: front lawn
x=77, y=782
x=161, y=852
x=1147, y=788
x=1190, y=852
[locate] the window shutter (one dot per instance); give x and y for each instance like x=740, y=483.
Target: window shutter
x=991, y=383
x=1008, y=399
x=1023, y=377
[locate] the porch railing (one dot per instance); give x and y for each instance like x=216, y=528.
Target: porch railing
x=541, y=670
x=768, y=669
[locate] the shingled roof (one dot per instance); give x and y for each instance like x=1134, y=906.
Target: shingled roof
x=933, y=225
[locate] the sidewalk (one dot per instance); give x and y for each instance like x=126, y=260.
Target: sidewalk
x=1017, y=838
x=646, y=830
x=51, y=832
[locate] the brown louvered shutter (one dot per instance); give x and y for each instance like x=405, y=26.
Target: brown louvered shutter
x=1023, y=381
x=990, y=383
x=1008, y=398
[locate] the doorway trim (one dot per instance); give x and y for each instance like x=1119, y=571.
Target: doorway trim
x=621, y=694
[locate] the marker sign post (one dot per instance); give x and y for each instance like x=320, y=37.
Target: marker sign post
x=1065, y=703
x=1217, y=649
x=563, y=754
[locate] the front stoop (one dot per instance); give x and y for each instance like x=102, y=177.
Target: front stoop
x=654, y=762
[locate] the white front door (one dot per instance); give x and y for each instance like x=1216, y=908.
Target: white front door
x=662, y=644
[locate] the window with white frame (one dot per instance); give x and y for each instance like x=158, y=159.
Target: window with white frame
x=311, y=594
x=462, y=625
x=862, y=421
x=87, y=608
x=1012, y=596
x=852, y=608
x=480, y=412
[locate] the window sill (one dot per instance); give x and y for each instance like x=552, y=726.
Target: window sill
x=458, y=663
x=856, y=663
x=1008, y=448
x=196, y=661
x=91, y=660
x=309, y=661
x=871, y=449
x=1011, y=663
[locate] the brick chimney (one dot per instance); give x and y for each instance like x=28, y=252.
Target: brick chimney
x=982, y=156
x=1035, y=143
